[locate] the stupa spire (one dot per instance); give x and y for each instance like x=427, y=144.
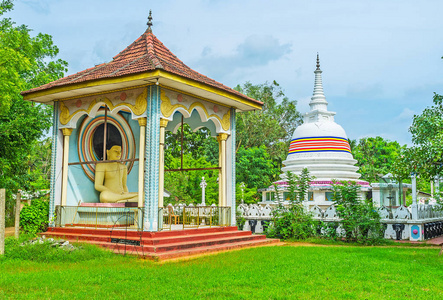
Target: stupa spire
x=149, y=21
x=318, y=99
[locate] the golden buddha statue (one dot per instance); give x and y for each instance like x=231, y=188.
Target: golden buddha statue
x=110, y=179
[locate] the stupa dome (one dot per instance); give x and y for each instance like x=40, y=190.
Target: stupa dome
x=317, y=129
x=320, y=144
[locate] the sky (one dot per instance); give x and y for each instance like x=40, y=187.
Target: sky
x=381, y=59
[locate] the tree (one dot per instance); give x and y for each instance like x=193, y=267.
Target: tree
x=426, y=156
x=199, y=144
x=184, y=186
x=359, y=219
x=255, y=168
x=376, y=156
x=294, y=221
x=248, y=195
x=25, y=62
x=200, y=150
x=273, y=125
x=40, y=164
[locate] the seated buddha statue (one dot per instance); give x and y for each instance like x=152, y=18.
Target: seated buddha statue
x=110, y=179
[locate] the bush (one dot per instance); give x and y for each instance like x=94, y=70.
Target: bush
x=34, y=218
x=292, y=223
x=240, y=220
x=360, y=220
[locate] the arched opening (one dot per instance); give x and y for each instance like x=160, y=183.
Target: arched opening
x=191, y=154
x=113, y=137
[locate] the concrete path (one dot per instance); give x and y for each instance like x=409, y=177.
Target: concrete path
x=435, y=241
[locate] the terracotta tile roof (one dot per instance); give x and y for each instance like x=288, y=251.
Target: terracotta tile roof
x=145, y=54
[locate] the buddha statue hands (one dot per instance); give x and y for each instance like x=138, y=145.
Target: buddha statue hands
x=110, y=179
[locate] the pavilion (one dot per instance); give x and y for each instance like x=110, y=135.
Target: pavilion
x=143, y=92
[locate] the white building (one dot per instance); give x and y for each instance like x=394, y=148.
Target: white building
x=321, y=146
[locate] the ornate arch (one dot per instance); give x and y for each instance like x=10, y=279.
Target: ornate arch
x=221, y=117
x=85, y=140
x=69, y=115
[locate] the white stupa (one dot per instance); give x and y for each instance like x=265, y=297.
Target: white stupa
x=320, y=144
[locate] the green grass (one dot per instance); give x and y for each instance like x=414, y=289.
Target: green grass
x=283, y=272
x=382, y=242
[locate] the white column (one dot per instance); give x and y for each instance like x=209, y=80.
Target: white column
x=66, y=133
x=242, y=188
x=432, y=189
x=221, y=138
x=141, y=161
x=414, y=207
x=161, y=155
x=203, y=186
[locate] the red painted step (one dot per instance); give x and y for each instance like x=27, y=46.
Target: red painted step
x=107, y=236
x=214, y=248
x=199, y=250
x=164, y=244
x=131, y=232
x=182, y=245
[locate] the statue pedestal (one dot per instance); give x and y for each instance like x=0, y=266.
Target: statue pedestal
x=103, y=215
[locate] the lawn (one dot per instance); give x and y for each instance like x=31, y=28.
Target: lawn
x=279, y=272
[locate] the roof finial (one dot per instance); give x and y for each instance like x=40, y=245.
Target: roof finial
x=149, y=21
x=318, y=100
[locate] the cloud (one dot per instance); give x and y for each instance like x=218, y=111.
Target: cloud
x=406, y=115
x=365, y=91
x=38, y=6
x=254, y=51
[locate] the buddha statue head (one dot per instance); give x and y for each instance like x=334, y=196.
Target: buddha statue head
x=114, y=153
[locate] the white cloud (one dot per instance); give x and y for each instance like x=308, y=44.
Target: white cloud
x=38, y=6
x=406, y=115
x=364, y=90
x=255, y=51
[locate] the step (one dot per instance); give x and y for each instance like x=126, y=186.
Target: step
x=209, y=242
x=196, y=237
x=182, y=232
x=165, y=244
x=148, y=241
x=132, y=232
x=178, y=246
x=202, y=250
x=88, y=231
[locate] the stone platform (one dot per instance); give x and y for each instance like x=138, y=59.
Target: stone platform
x=164, y=245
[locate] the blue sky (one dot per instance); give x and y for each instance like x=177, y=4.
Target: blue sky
x=381, y=60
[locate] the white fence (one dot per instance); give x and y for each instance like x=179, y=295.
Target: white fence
x=400, y=224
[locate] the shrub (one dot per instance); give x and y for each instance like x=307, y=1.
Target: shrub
x=34, y=218
x=240, y=220
x=294, y=222
x=360, y=220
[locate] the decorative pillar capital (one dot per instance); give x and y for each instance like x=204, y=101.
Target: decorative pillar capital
x=163, y=123
x=67, y=131
x=142, y=122
x=222, y=137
